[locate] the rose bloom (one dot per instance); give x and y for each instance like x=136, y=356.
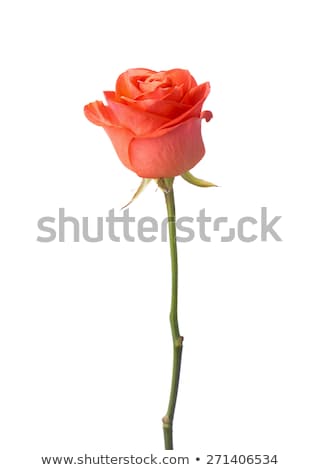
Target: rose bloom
x=154, y=121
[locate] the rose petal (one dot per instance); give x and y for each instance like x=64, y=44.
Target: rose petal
x=176, y=93
x=126, y=84
x=170, y=152
x=194, y=111
x=169, y=109
x=164, y=104
x=169, y=94
x=121, y=138
x=99, y=114
x=207, y=115
x=154, y=81
x=196, y=94
x=140, y=122
x=102, y=115
x=181, y=76
x=157, y=91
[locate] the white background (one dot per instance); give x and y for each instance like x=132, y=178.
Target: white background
x=85, y=340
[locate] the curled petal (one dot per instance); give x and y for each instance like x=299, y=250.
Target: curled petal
x=99, y=114
x=196, y=94
x=207, y=115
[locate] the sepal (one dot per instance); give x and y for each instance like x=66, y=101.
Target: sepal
x=145, y=182
x=196, y=181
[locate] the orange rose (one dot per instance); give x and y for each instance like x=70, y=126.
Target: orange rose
x=154, y=121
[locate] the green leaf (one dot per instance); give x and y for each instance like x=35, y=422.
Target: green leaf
x=196, y=181
x=140, y=189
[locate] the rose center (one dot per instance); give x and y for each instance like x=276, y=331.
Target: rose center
x=154, y=82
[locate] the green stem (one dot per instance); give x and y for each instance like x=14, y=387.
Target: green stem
x=177, y=338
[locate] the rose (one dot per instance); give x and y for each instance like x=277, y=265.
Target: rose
x=154, y=121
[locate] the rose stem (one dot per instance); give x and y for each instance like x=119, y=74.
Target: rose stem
x=177, y=338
